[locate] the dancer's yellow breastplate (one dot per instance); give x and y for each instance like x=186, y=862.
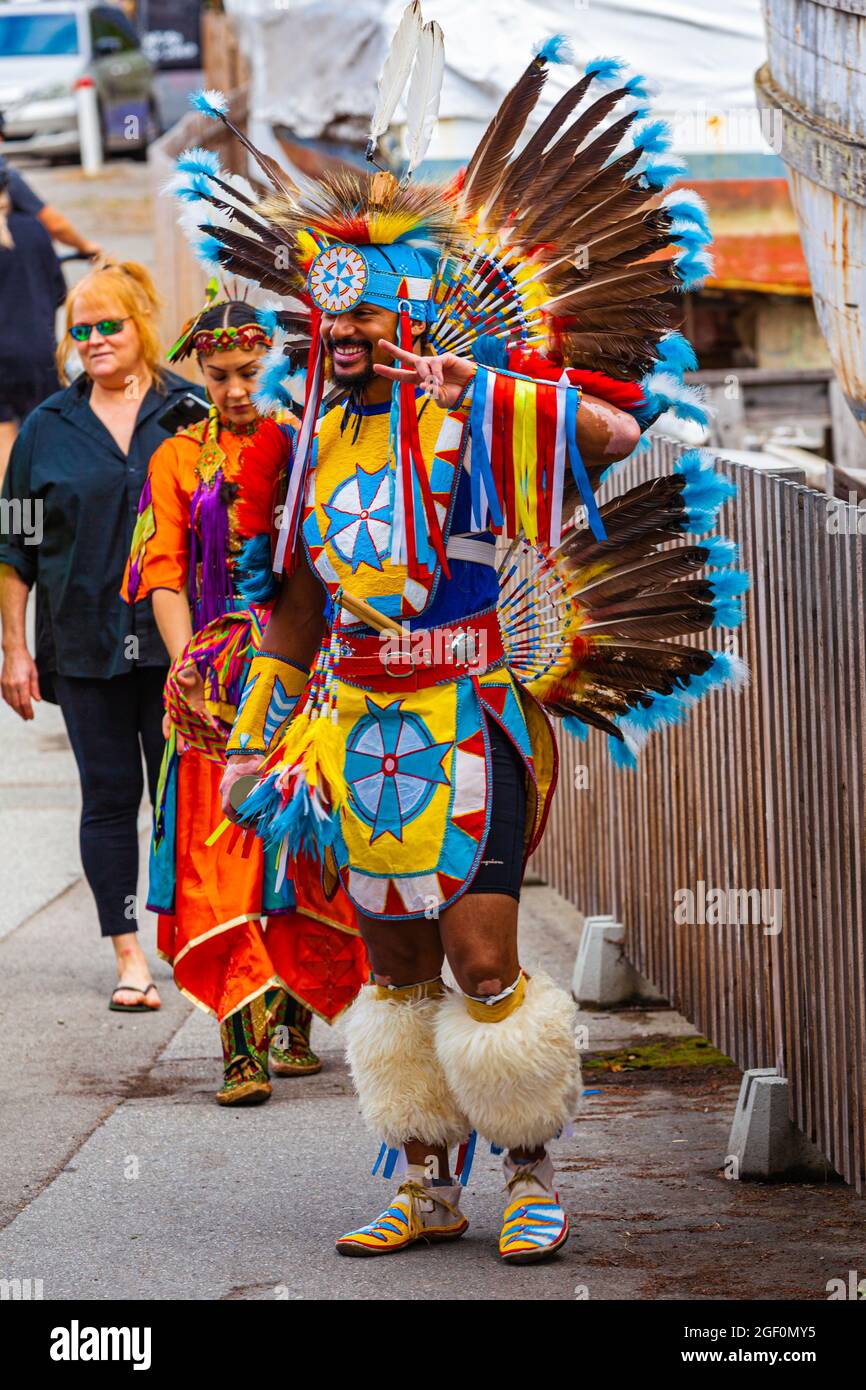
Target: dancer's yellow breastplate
x=349, y=506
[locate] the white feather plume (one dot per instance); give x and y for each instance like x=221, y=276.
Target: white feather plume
x=395, y=72
x=425, y=90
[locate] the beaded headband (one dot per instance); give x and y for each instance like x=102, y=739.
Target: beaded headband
x=222, y=339
x=246, y=336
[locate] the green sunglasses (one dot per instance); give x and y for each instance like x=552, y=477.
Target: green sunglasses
x=106, y=328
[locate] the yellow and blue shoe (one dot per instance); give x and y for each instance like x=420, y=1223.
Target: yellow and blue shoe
x=418, y=1213
x=534, y=1226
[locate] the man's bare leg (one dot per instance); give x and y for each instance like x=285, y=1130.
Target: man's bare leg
x=508, y=1054
x=405, y=953
x=479, y=936
x=402, y=1091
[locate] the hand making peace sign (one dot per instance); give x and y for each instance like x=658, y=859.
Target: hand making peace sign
x=443, y=378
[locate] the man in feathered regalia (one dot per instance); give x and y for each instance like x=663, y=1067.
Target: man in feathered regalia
x=477, y=356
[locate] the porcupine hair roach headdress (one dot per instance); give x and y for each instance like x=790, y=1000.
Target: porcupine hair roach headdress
x=561, y=259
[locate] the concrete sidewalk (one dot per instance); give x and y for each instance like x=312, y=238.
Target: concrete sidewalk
x=128, y=1181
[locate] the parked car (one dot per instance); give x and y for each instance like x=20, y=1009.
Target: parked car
x=47, y=51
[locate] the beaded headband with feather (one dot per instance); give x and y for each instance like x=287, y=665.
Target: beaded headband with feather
x=227, y=337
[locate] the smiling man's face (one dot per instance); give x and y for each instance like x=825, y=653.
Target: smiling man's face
x=351, y=342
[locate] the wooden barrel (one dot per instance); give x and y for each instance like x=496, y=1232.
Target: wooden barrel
x=813, y=94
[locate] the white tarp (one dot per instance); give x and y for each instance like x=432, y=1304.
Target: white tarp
x=316, y=62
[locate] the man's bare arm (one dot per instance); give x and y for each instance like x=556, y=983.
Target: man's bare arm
x=59, y=228
x=605, y=433
x=295, y=627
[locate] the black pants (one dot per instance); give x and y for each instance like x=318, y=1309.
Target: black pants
x=501, y=869
x=110, y=724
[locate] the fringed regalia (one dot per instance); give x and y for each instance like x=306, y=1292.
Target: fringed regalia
x=229, y=933
x=472, y=577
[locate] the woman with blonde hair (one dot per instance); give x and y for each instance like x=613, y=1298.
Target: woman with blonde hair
x=76, y=472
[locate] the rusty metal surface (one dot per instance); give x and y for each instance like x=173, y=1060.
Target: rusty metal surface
x=818, y=58
x=814, y=88
x=760, y=790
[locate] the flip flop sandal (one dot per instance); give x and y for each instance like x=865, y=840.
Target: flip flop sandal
x=141, y=1008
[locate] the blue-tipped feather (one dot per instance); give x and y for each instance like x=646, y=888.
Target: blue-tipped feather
x=576, y=727
x=722, y=552
x=194, y=191
x=693, y=268
x=305, y=829
x=727, y=588
x=726, y=669
x=685, y=202
x=728, y=614
x=270, y=400
x=268, y=317
x=621, y=754
x=669, y=710
x=208, y=250
x=691, y=236
x=660, y=173
x=664, y=391
x=705, y=491
x=254, y=579
x=655, y=138
x=209, y=102
x=270, y=393
x=664, y=711
x=640, y=86
x=604, y=69
x=699, y=521
x=262, y=804
x=556, y=49
x=196, y=160
x=677, y=355
x=731, y=583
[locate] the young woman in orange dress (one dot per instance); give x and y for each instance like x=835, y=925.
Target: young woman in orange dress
x=260, y=954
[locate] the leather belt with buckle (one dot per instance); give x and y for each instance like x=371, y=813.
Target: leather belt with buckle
x=424, y=657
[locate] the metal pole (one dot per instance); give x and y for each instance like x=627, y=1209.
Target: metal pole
x=89, y=130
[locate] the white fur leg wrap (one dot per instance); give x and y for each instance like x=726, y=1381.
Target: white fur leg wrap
x=401, y=1087
x=517, y=1080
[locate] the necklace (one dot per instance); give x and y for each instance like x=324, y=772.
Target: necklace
x=239, y=429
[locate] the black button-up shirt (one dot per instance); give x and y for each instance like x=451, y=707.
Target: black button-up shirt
x=70, y=502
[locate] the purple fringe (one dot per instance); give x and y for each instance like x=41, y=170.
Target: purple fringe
x=210, y=520
x=134, y=580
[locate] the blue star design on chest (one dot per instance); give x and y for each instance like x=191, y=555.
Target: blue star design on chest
x=393, y=767
x=359, y=518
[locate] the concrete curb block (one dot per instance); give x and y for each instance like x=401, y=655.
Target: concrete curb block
x=603, y=977
x=764, y=1141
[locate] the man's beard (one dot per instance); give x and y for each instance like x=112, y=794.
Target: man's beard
x=355, y=380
